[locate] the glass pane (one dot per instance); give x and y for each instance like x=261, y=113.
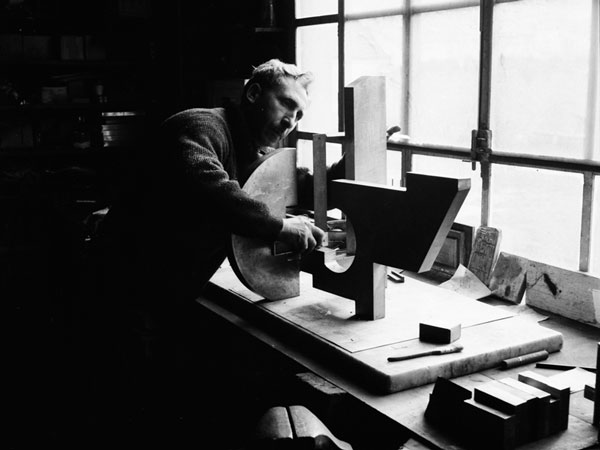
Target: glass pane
x=595, y=260
x=444, y=77
x=360, y=6
x=470, y=212
x=441, y=4
x=305, y=153
x=540, y=79
x=539, y=213
x=374, y=47
x=310, y=8
x=317, y=51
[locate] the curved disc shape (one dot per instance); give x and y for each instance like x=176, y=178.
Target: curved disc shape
x=272, y=181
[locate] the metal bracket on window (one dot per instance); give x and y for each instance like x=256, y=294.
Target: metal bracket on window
x=481, y=146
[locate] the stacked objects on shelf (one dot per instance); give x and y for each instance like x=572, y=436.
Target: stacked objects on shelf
x=121, y=127
x=500, y=414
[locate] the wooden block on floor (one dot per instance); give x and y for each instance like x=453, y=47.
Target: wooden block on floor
x=561, y=394
x=496, y=395
x=439, y=332
x=484, y=253
x=508, y=280
x=539, y=406
x=485, y=427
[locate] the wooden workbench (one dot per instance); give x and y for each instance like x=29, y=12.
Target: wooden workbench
x=406, y=407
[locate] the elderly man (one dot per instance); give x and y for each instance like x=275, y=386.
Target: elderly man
x=165, y=241
x=191, y=199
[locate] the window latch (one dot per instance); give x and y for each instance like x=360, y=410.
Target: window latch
x=481, y=146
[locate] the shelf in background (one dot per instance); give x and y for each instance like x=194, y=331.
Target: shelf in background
x=78, y=64
x=51, y=152
x=73, y=107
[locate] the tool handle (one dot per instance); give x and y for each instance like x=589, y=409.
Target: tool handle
x=448, y=349
x=439, y=351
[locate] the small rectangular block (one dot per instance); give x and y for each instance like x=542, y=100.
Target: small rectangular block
x=539, y=405
x=560, y=393
x=589, y=392
x=496, y=395
x=439, y=332
x=488, y=428
x=446, y=403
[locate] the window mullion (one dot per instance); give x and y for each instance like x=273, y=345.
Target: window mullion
x=585, y=243
x=405, y=113
x=341, y=62
x=481, y=142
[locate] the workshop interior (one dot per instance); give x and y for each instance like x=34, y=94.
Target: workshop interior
x=454, y=302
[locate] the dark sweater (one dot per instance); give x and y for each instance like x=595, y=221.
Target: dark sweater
x=174, y=229
x=175, y=225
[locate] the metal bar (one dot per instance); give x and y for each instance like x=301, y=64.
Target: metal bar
x=441, y=6
x=341, y=63
x=585, y=243
x=509, y=159
x=483, y=118
x=592, y=90
x=316, y=20
x=485, y=63
x=405, y=120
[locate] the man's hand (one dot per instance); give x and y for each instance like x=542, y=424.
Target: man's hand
x=300, y=234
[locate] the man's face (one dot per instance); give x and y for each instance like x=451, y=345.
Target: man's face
x=276, y=110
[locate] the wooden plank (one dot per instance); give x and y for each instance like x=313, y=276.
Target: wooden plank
x=508, y=277
x=365, y=126
x=407, y=304
x=564, y=292
x=320, y=180
x=323, y=323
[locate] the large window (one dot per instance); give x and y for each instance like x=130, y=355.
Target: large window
x=543, y=110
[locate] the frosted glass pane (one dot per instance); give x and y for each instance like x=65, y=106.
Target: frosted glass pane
x=374, y=47
x=310, y=8
x=470, y=212
x=540, y=77
x=317, y=51
x=305, y=153
x=539, y=213
x=360, y=6
x=595, y=260
x=444, y=77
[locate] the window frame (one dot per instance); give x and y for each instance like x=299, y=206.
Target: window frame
x=481, y=151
